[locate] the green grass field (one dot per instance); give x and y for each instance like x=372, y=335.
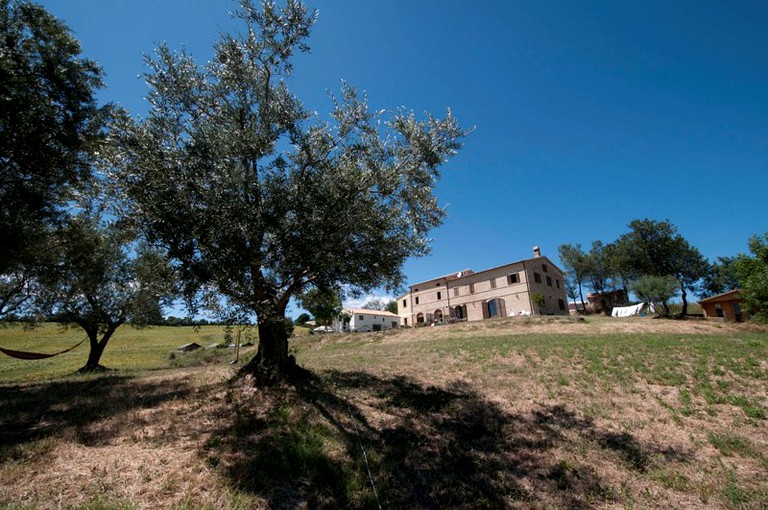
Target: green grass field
x=524, y=413
x=129, y=350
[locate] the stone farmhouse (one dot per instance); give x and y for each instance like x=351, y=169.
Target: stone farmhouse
x=504, y=291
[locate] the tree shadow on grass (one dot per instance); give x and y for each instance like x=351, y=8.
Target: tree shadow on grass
x=36, y=411
x=426, y=447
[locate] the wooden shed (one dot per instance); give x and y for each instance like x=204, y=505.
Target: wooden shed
x=726, y=306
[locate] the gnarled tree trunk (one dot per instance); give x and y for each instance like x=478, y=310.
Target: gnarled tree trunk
x=97, y=348
x=272, y=362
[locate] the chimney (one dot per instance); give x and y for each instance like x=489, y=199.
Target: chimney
x=536, y=251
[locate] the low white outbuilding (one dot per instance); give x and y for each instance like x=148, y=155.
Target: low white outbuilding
x=361, y=320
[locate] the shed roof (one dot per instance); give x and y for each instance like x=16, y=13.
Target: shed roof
x=731, y=295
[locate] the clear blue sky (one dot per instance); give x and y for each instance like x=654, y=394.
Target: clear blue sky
x=587, y=114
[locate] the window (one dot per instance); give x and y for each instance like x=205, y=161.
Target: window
x=417, y=301
x=439, y=295
x=361, y=317
x=492, y=310
x=455, y=291
x=513, y=278
x=537, y=277
x=405, y=320
x=561, y=304
x=544, y=267
x=549, y=281
x=471, y=288
x=557, y=282
x=492, y=281
x=437, y=284
x=405, y=303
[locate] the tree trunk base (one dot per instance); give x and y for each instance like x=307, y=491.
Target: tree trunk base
x=270, y=373
x=92, y=369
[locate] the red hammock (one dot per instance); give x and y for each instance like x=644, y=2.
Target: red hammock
x=36, y=355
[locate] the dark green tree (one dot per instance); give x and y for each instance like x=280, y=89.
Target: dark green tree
x=375, y=304
x=257, y=197
x=721, y=277
x=391, y=306
x=597, y=271
x=302, y=319
x=102, y=280
x=752, y=272
x=655, y=248
x=575, y=264
x=50, y=131
x=323, y=304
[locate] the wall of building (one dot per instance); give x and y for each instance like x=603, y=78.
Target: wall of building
x=362, y=322
x=500, y=292
x=728, y=310
x=549, y=283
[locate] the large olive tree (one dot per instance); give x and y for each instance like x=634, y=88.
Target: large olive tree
x=256, y=197
x=50, y=129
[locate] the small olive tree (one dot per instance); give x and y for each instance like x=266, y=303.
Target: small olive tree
x=656, y=289
x=102, y=279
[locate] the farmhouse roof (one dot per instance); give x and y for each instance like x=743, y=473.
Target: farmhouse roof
x=468, y=272
x=365, y=311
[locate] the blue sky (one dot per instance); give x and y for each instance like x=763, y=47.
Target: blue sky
x=586, y=114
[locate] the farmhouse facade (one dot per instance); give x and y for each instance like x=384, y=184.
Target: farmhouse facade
x=361, y=320
x=533, y=286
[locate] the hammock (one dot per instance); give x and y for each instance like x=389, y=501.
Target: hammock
x=36, y=355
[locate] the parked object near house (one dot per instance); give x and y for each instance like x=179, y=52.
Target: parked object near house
x=727, y=305
x=361, y=320
x=532, y=286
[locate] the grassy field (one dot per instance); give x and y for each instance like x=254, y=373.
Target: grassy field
x=523, y=413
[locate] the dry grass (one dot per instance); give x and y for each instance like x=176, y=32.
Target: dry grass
x=523, y=413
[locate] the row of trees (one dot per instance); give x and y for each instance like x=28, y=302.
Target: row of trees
x=227, y=192
x=655, y=262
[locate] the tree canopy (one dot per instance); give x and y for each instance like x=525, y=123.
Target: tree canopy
x=650, y=248
x=50, y=129
x=753, y=274
x=576, y=265
x=655, y=248
x=250, y=193
x=323, y=304
x=101, y=280
x=655, y=289
x=721, y=277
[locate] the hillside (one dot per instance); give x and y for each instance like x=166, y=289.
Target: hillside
x=516, y=413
